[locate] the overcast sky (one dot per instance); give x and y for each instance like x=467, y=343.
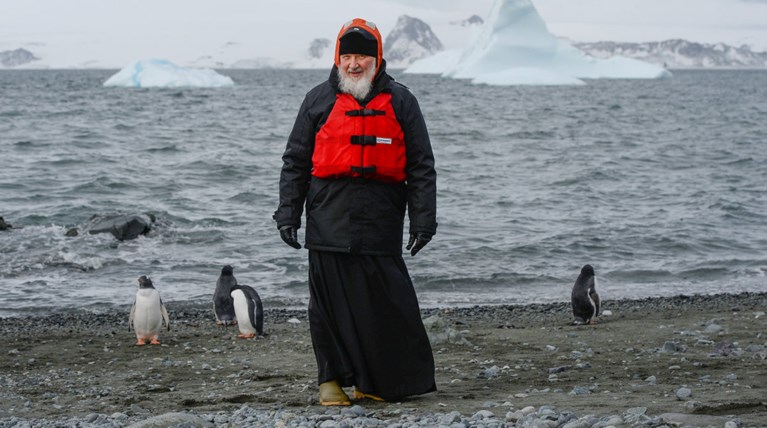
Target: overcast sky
x=276, y=24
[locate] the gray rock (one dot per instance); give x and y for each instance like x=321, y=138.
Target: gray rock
x=119, y=417
x=122, y=227
x=683, y=393
x=635, y=415
x=490, y=373
x=4, y=225
x=172, y=419
x=450, y=418
x=669, y=347
x=483, y=414
x=580, y=390
x=584, y=422
x=684, y=419
x=713, y=328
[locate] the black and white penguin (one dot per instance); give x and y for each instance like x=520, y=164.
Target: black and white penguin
x=147, y=313
x=223, y=305
x=585, y=299
x=249, y=311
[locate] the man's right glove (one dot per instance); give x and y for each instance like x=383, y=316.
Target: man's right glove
x=417, y=241
x=289, y=234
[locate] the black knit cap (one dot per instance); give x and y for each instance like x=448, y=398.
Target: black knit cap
x=358, y=41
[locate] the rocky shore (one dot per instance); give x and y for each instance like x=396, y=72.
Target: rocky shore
x=679, y=361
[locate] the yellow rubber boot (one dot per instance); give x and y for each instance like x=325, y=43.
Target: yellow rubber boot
x=359, y=395
x=331, y=394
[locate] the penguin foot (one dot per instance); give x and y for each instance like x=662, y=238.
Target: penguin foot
x=593, y=322
x=247, y=336
x=579, y=321
x=154, y=342
x=331, y=394
x=359, y=395
x=140, y=342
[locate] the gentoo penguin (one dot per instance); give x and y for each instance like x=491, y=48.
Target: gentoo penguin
x=223, y=306
x=249, y=311
x=584, y=298
x=147, y=313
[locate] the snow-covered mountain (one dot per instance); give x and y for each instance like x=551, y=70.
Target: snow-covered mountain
x=410, y=39
x=472, y=20
x=16, y=57
x=679, y=53
x=318, y=47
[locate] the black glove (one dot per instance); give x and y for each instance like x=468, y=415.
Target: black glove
x=417, y=241
x=289, y=234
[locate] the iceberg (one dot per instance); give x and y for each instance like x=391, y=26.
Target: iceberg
x=158, y=73
x=516, y=48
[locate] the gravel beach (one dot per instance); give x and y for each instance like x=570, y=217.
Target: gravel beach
x=678, y=361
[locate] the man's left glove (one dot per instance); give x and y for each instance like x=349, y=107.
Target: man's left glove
x=417, y=241
x=289, y=234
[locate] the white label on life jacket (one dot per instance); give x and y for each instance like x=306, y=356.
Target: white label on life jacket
x=380, y=140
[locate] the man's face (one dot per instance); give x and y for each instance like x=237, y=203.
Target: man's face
x=357, y=66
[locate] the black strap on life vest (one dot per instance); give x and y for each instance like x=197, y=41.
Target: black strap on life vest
x=366, y=112
x=364, y=169
x=364, y=140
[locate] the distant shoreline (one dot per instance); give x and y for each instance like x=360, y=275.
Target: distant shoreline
x=199, y=309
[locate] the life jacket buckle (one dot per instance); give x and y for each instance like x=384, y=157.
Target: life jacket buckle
x=364, y=140
x=365, y=112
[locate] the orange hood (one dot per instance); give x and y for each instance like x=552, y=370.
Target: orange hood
x=366, y=26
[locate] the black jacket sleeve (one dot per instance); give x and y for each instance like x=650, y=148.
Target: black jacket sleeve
x=297, y=164
x=421, y=175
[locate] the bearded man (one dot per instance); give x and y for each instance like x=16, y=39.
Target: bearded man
x=358, y=157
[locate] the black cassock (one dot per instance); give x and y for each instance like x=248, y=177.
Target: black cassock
x=366, y=325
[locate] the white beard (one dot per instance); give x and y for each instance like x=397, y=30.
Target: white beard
x=358, y=88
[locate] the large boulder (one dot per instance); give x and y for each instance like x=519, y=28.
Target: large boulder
x=122, y=227
x=4, y=225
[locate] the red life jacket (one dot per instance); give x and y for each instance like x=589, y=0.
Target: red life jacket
x=360, y=142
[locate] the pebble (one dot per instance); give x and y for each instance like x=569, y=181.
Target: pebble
x=669, y=347
x=683, y=393
x=713, y=328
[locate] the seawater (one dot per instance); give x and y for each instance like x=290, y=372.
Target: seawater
x=659, y=184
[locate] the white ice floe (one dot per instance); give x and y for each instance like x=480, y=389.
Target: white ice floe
x=158, y=73
x=516, y=48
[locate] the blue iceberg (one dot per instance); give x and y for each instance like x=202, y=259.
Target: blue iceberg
x=516, y=48
x=158, y=73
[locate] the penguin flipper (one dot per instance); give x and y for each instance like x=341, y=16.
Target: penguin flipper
x=132, y=315
x=595, y=298
x=259, y=316
x=165, y=316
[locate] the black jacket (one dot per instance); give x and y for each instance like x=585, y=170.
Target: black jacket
x=358, y=215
